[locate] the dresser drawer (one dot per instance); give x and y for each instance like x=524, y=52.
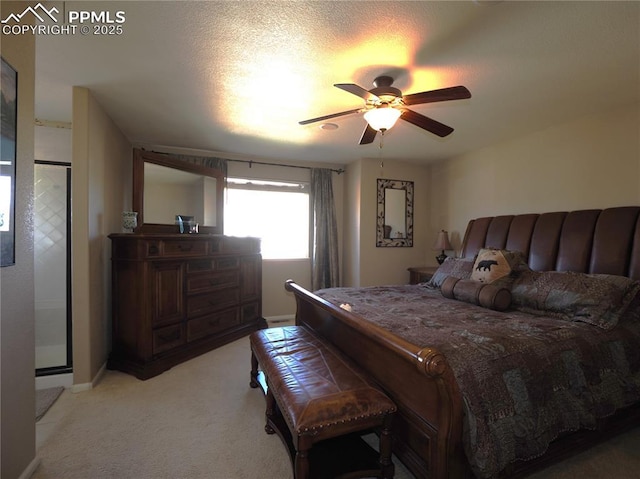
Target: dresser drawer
x=211, y=282
x=168, y=338
x=214, y=323
x=200, y=265
x=250, y=312
x=200, y=304
x=226, y=262
x=216, y=264
x=183, y=248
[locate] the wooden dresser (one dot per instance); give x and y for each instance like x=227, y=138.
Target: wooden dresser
x=177, y=296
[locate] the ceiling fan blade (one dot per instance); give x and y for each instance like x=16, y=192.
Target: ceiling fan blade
x=426, y=123
x=356, y=90
x=333, y=115
x=368, y=135
x=432, y=96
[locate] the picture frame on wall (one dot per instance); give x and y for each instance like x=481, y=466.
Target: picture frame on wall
x=8, y=134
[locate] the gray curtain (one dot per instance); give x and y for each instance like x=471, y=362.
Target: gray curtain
x=325, y=265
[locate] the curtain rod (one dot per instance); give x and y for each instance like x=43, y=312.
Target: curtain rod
x=251, y=162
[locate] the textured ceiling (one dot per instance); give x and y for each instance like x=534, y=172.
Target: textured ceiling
x=237, y=77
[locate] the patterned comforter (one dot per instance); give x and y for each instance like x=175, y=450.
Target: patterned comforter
x=525, y=379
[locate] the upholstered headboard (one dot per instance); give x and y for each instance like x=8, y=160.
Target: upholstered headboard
x=586, y=241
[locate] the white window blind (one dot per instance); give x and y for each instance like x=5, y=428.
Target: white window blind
x=277, y=212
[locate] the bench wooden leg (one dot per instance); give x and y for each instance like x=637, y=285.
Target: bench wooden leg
x=387, y=468
x=270, y=411
x=254, y=371
x=302, y=464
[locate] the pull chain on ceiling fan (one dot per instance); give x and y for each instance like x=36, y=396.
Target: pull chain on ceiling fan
x=384, y=104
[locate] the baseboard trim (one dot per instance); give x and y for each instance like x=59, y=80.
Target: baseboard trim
x=31, y=468
x=78, y=388
x=65, y=380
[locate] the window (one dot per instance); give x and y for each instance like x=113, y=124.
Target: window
x=275, y=211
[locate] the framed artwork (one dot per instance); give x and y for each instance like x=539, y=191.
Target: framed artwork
x=8, y=129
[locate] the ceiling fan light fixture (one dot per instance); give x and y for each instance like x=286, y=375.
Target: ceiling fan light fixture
x=384, y=104
x=382, y=118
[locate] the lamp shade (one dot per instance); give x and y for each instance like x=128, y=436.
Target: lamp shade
x=382, y=118
x=442, y=241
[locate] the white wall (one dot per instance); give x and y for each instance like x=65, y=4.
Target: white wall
x=351, y=226
x=53, y=144
x=17, y=365
x=171, y=199
x=366, y=263
x=591, y=162
x=101, y=185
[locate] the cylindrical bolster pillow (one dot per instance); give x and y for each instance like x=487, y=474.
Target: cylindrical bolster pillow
x=447, y=286
x=475, y=292
x=493, y=297
x=468, y=291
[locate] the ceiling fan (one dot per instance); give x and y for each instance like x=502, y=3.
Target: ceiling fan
x=384, y=104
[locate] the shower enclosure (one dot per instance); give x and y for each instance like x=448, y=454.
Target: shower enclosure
x=52, y=264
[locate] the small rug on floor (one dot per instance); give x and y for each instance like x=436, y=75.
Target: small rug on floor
x=45, y=399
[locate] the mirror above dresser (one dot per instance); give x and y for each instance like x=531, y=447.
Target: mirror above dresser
x=164, y=187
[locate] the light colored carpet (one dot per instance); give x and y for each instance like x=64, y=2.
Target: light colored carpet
x=202, y=420
x=45, y=399
x=198, y=420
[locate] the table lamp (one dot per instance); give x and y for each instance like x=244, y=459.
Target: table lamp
x=442, y=244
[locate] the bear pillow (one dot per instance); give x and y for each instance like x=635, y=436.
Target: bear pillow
x=497, y=265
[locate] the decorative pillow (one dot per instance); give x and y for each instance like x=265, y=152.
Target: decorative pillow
x=501, y=265
x=631, y=298
x=600, y=300
x=485, y=295
x=449, y=285
x=456, y=267
x=633, y=310
x=628, y=285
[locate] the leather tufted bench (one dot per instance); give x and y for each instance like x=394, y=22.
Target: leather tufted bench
x=315, y=396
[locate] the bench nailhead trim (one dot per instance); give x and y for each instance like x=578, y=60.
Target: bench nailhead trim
x=343, y=421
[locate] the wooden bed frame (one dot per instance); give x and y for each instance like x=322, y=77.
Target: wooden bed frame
x=428, y=426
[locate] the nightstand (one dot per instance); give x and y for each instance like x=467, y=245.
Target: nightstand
x=421, y=274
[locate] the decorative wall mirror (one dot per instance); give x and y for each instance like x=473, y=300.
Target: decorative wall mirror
x=395, y=213
x=164, y=187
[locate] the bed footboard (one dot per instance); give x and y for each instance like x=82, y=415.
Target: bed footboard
x=428, y=427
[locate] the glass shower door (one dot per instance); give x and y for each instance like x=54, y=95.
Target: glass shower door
x=52, y=241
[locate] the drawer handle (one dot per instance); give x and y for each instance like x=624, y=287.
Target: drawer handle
x=153, y=249
x=182, y=247
x=170, y=337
